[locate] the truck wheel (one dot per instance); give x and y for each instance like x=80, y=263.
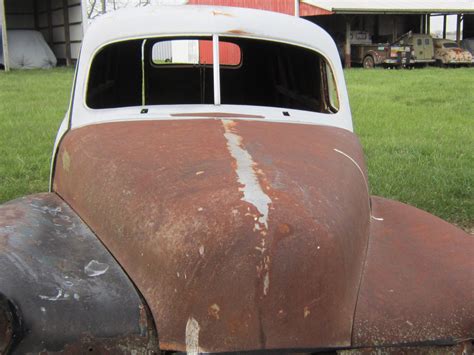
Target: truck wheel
x=368, y=62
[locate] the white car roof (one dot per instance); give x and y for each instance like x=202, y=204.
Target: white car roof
x=189, y=20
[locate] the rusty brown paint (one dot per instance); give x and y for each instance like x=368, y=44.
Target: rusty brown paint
x=238, y=32
x=216, y=115
x=418, y=284
x=169, y=199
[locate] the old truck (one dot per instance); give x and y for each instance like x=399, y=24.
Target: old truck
x=370, y=55
x=421, y=46
x=211, y=208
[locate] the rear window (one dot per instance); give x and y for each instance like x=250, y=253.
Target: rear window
x=175, y=71
x=450, y=45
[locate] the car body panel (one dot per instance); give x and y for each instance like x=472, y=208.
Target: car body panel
x=252, y=232
x=67, y=291
x=418, y=283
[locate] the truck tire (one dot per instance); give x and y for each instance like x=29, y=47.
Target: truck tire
x=368, y=62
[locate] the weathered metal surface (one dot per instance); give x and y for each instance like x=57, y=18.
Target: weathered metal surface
x=68, y=291
x=240, y=235
x=464, y=348
x=418, y=283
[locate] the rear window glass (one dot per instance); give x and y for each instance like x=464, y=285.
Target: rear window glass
x=450, y=45
x=175, y=71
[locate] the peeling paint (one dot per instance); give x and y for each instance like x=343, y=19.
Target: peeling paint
x=52, y=298
x=192, y=336
x=95, y=268
x=214, y=310
x=252, y=190
x=66, y=161
x=266, y=283
x=306, y=312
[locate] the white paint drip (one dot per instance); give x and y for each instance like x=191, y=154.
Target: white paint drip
x=266, y=283
x=377, y=218
x=192, y=336
x=253, y=192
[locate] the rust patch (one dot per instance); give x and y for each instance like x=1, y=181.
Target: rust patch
x=221, y=13
x=238, y=32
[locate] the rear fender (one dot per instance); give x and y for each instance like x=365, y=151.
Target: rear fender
x=62, y=290
x=418, y=281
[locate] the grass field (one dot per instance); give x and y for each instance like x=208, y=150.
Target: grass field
x=416, y=127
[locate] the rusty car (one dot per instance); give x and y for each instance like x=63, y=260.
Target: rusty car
x=449, y=53
x=208, y=194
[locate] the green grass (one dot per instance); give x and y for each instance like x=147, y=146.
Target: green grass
x=417, y=130
x=32, y=105
x=416, y=127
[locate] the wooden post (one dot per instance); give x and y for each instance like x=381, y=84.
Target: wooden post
x=49, y=14
x=35, y=14
x=347, y=46
x=458, y=29
x=3, y=20
x=445, y=19
x=428, y=23
x=67, y=35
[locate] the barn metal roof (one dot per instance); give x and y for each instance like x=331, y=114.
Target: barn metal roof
x=394, y=6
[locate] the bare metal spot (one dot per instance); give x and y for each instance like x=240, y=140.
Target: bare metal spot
x=66, y=161
x=95, y=268
x=201, y=250
x=192, y=336
x=214, y=310
x=306, y=311
x=199, y=172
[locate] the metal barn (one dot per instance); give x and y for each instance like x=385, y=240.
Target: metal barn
x=60, y=22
